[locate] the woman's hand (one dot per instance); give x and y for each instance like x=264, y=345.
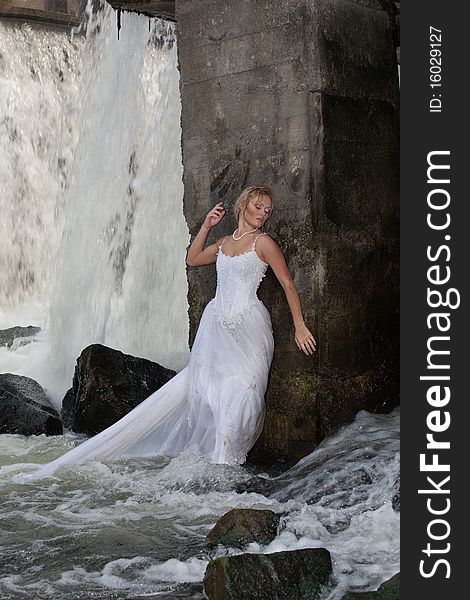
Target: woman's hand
x=305, y=340
x=214, y=216
x=272, y=254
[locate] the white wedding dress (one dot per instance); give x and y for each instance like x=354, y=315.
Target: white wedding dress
x=217, y=401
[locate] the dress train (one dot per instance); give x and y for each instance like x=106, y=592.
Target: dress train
x=217, y=401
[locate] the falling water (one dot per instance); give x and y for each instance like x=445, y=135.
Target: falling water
x=39, y=103
x=94, y=240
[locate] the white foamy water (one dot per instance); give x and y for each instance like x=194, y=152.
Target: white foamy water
x=137, y=528
x=93, y=244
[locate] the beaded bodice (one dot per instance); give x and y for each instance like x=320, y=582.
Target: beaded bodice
x=238, y=279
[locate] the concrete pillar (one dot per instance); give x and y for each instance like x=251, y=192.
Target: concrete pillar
x=302, y=95
x=54, y=12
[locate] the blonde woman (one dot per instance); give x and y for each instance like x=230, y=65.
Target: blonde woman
x=216, y=403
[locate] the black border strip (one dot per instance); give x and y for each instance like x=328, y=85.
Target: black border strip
x=422, y=132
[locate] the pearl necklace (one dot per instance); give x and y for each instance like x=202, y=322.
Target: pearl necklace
x=239, y=238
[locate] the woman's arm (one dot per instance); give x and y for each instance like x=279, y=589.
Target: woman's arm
x=270, y=252
x=198, y=255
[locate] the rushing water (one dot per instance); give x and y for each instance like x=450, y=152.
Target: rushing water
x=92, y=235
x=137, y=529
x=92, y=242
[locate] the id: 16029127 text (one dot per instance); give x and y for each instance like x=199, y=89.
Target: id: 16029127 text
x=435, y=69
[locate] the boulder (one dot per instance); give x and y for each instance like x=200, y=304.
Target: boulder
x=108, y=384
x=295, y=575
x=241, y=526
x=389, y=590
x=22, y=334
x=25, y=408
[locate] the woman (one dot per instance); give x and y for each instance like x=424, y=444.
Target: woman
x=252, y=209
x=217, y=401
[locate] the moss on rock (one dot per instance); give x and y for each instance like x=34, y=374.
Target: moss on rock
x=389, y=590
x=295, y=575
x=242, y=526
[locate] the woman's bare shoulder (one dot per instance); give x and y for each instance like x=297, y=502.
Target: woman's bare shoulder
x=265, y=241
x=267, y=246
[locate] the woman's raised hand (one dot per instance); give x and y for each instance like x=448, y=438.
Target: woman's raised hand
x=214, y=216
x=305, y=340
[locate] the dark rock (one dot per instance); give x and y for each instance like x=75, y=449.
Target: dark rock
x=68, y=409
x=241, y=526
x=24, y=334
x=25, y=408
x=389, y=590
x=396, y=497
x=107, y=384
x=295, y=575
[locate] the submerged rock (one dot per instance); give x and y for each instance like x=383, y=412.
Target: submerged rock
x=107, y=384
x=396, y=502
x=25, y=408
x=241, y=526
x=389, y=590
x=295, y=575
x=24, y=335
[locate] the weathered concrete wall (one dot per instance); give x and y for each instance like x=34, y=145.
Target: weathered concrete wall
x=57, y=12
x=301, y=95
x=69, y=12
x=153, y=8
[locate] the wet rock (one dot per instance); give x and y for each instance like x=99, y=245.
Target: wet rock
x=255, y=485
x=295, y=575
x=396, y=497
x=396, y=502
x=25, y=408
x=68, y=409
x=241, y=526
x=23, y=335
x=389, y=590
x=108, y=384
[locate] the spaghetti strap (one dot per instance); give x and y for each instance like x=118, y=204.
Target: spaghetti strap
x=222, y=243
x=256, y=238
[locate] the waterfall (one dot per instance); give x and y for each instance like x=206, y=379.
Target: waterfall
x=39, y=79
x=94, y=241
x=92, y=248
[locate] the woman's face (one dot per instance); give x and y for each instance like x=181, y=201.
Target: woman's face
x=258, y=211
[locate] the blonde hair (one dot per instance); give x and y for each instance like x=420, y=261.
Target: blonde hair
x=253, y=191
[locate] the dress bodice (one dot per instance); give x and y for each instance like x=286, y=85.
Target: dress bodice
x=238, y=279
